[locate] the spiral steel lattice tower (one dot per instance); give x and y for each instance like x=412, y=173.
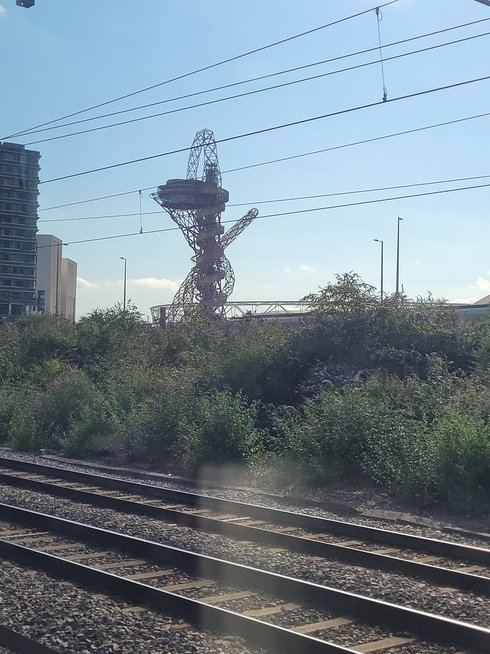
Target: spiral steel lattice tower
x=195, y=205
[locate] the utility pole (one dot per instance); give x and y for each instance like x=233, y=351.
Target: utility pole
x=57, y=291
x=397, y=285
x=382, y=266
x=125, y=282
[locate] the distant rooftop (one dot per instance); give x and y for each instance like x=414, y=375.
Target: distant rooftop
x=484, y=300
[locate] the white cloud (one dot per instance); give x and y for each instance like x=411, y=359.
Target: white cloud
x=303, y=268
x=483, y=284
x=153, y=282
x=83, y=283
x=2, y=10
x=300, y=269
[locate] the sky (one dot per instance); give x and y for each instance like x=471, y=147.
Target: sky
x=61, y=57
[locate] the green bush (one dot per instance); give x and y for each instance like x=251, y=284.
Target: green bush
x=90, y=432
x=395, y=393
x=22, y=429
x=156, y=426
x=44, y=336
x=73, y=414
x=428, y=440
x=349, y=323
x=6, y=409
x=253, y=360
x=223, y=431
x=460, y=457
x=482, y=334
x=111, y=334
x=10, y=360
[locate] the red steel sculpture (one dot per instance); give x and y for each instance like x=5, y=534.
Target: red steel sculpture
x=195, y=205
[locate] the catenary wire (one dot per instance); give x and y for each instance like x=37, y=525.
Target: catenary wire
x=292, y=213
x=102, y=197
x=276, y=200
x=256, y=79
x=265, y=130
x=208, y=67
x=257, y=91
x=355, y=143
x=272, y=161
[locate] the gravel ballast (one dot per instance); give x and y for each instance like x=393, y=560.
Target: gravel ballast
x=465, y=606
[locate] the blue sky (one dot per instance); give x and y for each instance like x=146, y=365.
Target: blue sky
x=60, y=57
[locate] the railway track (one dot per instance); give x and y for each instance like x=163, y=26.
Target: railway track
x=11, y=641
x=199, y=485
x=340, y=508
x=441, y=562
x=268, y=610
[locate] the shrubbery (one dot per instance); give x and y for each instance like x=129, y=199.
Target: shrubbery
x=396, y=394
x=424, y=439
x=223, y=430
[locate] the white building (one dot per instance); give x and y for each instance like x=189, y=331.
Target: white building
x=68, y=288
x=56, y=277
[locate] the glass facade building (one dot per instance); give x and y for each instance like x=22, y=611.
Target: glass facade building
x=19, y=179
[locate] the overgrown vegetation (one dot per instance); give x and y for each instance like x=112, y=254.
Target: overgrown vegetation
x=394, y=393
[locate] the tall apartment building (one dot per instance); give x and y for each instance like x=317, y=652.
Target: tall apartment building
x=19, y=179
x=56, y=278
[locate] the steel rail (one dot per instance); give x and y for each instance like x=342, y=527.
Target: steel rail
x=16, y=642
x=302, y=545
x=276, y=516
x=418, y=622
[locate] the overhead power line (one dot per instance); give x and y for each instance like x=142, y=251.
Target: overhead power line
x=205, y=68
x=355, y=143
x=294, y=156
x=274, y=128
x=113, y=215
x=276, y=200
x=292, y=213
x=256, y=91
x=101, y=197
x=254, y=79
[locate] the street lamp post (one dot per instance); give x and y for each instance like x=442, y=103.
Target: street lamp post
x=397, y=285
x=125, y=283
x=57, y=287
x=382, y=266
